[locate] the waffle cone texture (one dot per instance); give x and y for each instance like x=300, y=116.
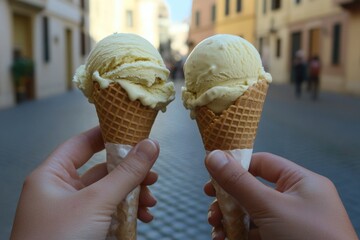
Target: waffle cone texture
x=235, y=128
x=123, y=121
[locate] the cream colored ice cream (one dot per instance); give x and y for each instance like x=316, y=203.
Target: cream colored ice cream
x=219, y=70
x=132, y=62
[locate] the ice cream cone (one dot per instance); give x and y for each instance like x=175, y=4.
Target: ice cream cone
x=122, y=121
x=235, y=128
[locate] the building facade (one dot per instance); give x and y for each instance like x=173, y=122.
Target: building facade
x=236, y=17
x=179, y=35
x=147, y=18
x=48, y=38
x=351, y=66
x=272, y=36
x=322, y=28
x=202, y=22
x=319, y=28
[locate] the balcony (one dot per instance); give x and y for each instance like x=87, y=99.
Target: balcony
x=33, y=4
x=351, y=5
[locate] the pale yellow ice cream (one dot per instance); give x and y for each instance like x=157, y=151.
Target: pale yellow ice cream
x=219, y=70
x=132, y=62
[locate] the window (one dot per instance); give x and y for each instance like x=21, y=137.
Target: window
x=261, y=45
x=213, y=13
x=238, y=6
x=129, y=18
x=82, y=37
x=227, y=7
x=46, y=39
x=83, y=42
x=264, y=6
x=197, y=18
x=278, y=48
x=336, y=44
x=275, y=4
x=82, y=4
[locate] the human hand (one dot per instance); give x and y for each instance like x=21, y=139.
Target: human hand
x=57, y=203
x=303, y=204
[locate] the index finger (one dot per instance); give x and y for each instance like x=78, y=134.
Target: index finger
x=79, y=149
x=273, y=168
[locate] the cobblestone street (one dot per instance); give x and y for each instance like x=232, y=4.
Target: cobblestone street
x=321, y=136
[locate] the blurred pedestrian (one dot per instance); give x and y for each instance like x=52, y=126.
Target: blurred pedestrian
x=299, y=72
x=314, y=76
x=303, y=204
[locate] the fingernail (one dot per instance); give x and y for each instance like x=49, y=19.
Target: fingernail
x=146, y=150
x=218, y=234
x=214, y=234
x=209, y=214
x=216, y=160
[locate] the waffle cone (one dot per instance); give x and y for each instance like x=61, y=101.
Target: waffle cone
x=123, y=121
x=235, y=128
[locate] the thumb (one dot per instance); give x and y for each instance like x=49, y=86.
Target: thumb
x=114, y=187
x=238, y=182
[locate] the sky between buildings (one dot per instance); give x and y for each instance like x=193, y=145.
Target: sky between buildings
x=179, y=9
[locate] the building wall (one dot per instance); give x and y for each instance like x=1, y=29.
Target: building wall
x=52, y=76
x=307, y=9
x=128, y=16
x=271, y=27
x=315, y=21
x=322, y=15
x=179, y=35
x=6, y=87
x=353, y=54
x=102, y=17
x=148, y=13
x=240, y=23
x=278, y=66
x=206, y=26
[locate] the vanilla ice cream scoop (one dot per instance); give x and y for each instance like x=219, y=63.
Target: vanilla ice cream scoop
x=132, y=62
x=219, y=70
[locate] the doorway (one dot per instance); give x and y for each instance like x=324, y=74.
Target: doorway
x=23, y=63
x=68, y=58
x=314, y=42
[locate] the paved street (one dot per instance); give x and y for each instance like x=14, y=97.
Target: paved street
x=321, y=136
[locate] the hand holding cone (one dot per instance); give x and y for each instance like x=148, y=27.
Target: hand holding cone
x=235, y=128
x=126, y=78
x=122, y=122
x=225, y=89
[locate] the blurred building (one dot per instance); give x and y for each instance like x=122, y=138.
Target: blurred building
x=272, y=34
x=222, y=16
x=179, y=33
x=351, y=58
x=202, y=23
x=147, y=18
x=43, y=42
x=323, y=28
x=164, y=32
x=236, y=17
